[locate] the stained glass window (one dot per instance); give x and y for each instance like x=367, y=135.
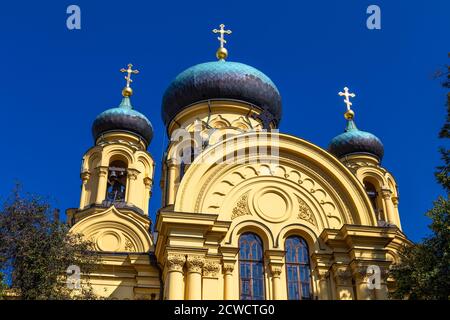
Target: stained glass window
x=297, y=269
x=251, y=267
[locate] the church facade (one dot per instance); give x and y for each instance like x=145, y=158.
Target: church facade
x=247, y=212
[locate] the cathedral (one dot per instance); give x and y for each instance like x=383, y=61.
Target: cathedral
x=247, y=212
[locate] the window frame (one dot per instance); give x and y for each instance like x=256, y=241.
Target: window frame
x=298, y=265
x=263, y=268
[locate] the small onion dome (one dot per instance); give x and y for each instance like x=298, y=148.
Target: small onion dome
x=356, y=141
x=123, y=118
x=222, y=80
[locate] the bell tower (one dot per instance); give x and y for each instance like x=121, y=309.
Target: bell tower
x=362, y=153
x=117, y=178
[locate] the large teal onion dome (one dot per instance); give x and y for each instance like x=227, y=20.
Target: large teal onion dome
x=354, y=140
x=222, y=80
x=123, y=118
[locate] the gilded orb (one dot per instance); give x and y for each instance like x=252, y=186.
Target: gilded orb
x=127, y=92
x=349, y=115
x=221, y=53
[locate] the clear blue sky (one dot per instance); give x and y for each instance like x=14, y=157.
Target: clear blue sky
x=55, y=81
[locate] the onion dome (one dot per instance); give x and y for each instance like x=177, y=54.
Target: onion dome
x=123, y=117
x=222, y=80
x=354, y=141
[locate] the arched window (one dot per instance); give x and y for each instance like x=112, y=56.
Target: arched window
x=297, y=269
x=372, y=193
x=117, y=181
x=373, y=196
x=251, y=267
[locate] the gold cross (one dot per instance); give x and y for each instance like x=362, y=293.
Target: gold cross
x=129, y=71
x=222, y=32
x=347, y=96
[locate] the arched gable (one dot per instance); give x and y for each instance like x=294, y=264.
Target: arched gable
x=112, y=230
x=300, y=170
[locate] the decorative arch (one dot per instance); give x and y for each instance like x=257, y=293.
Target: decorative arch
x=116, y=151
x=308, y=165
x=298, y=229
x=249, y=226
x=373, y=175
x=111, y=230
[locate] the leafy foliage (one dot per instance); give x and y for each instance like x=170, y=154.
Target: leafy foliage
x=424, y=272
x=36, y=249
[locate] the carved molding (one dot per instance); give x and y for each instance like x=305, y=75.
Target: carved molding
x=342, y=276
x=304, y=211
x=85, y=175
x=276, y=270
x=210, y=268
x=241, y=207
x=103, y=171
x=386, y=194
x=195, y=263
x=133, y=145
x=175, y=262
x=132, y=173
x=129, y=246
x=228, y=268
x=323, y=275
x=148, y=182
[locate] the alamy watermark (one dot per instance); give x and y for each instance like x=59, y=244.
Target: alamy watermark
x=373, y=273
x=73, y=277
x=373, y=22
x=73, y=21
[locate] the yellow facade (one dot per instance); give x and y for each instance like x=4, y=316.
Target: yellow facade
x=206, y=206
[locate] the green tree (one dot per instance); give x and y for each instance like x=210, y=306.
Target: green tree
x=424, y=270
x=36, y=249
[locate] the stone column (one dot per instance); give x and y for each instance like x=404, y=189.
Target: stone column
x=172, y=168
x=395, y=203
x=390, y=210
x=175, y=263
x=363, y=292
x=370, y=286
x=132, y=175
x=148, y=182
x=84, y=180
x=210, y=281
x=194, y=277
x=322, y=277
x=228, y=268
x=343, y=281
x=102, y=182
x=276, y=281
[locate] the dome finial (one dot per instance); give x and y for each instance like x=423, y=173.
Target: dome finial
x=222, y=52
x=349, y=114
x=127, y=91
